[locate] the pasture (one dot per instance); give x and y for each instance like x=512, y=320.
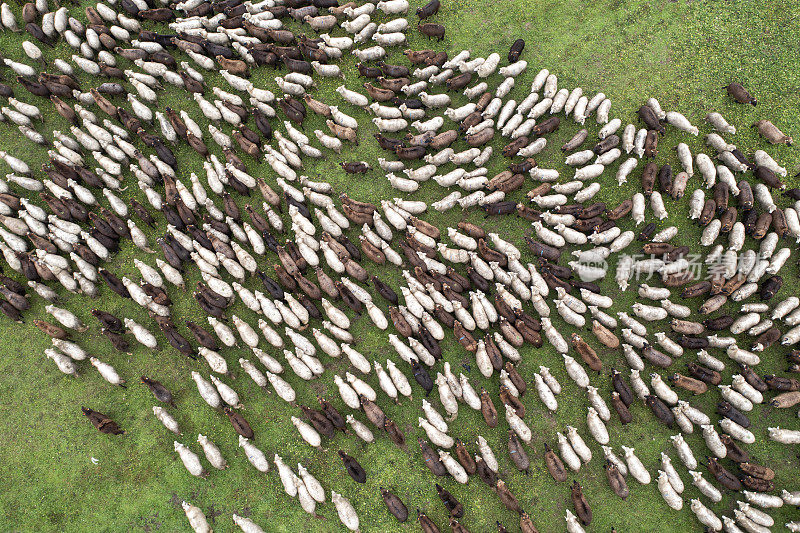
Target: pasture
x=681, y=52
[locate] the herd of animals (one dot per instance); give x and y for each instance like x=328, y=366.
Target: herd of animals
x=62, y=223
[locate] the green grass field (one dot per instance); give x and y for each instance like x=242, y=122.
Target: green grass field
x=680, y=52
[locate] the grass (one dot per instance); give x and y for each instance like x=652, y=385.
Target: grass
x=680, y=52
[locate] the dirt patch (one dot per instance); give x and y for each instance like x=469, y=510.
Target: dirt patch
x=175, y=501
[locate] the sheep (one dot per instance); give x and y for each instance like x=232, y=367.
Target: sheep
x=791, y=498
x=513, y=70
x=307, y=432
x=540, y=108
x=596, y=426
x=141, y=334
x=638, y=385
x=713, y=441
x=792, y=217
x=286, y=476
x=666, y=234
x=681, y=122
x=532, y=149
x=672, y=474
x=586, y=272
x=504, y=88
x=742, y=356
x=437, y=437
x=784, y=436
x=227, y=394
x=707, y=169
x=402, y=184
x=548, y=236
x=587, y=193
x=165, y=418
x=612, y=458
x=576, y=372
x=753, y=519
x=256, y=457
x=657, y=205
x=594, y=255
x=635, y=466
x=602, y=116
x=573, y=524
x=668, y=492
x=778, y=260
x=468, y=393
x=215, y=361
x=710, y=232
x=633, y=359
x=792, y=336
x=311, y=484
x=696, y=203
x=602, y=113
x=705, y=516
x=705, y=487
x=662, y=390
x=414, y=89
x=589, y=172
x=360, y=429
x=682, y=420
x=737, y=431
x=570, y=316
x=670, y=346
x=433, y=416
x=190, y=460
x=764, y=197
x=434, y=101
x=762, y=158
x=433, y=124
x=639, y=142
x=744, y=322
x=197, y=520
x=719, y=123
x=625, y=170
x=637, y=211
x=254, y=373
x=64, y=363
x=545, y=393
x=601, y=325
x=653, y=293
x=453, y=467
x=684, y=452
x=513, y=123
x=680, y=265
x=570, y=235
x=578, y=445
x=65, y=318
x=568, y=454
x=783, y=308
x=448, y=202
x=393, y=7
x=624, y=271
x=595, y=299
x=246, y=525
x=766, y=501
x=649, y=312
x=446, y=397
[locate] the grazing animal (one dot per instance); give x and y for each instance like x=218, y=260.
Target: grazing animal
x=102, y=422
x=737, y=91
x=429, y=9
